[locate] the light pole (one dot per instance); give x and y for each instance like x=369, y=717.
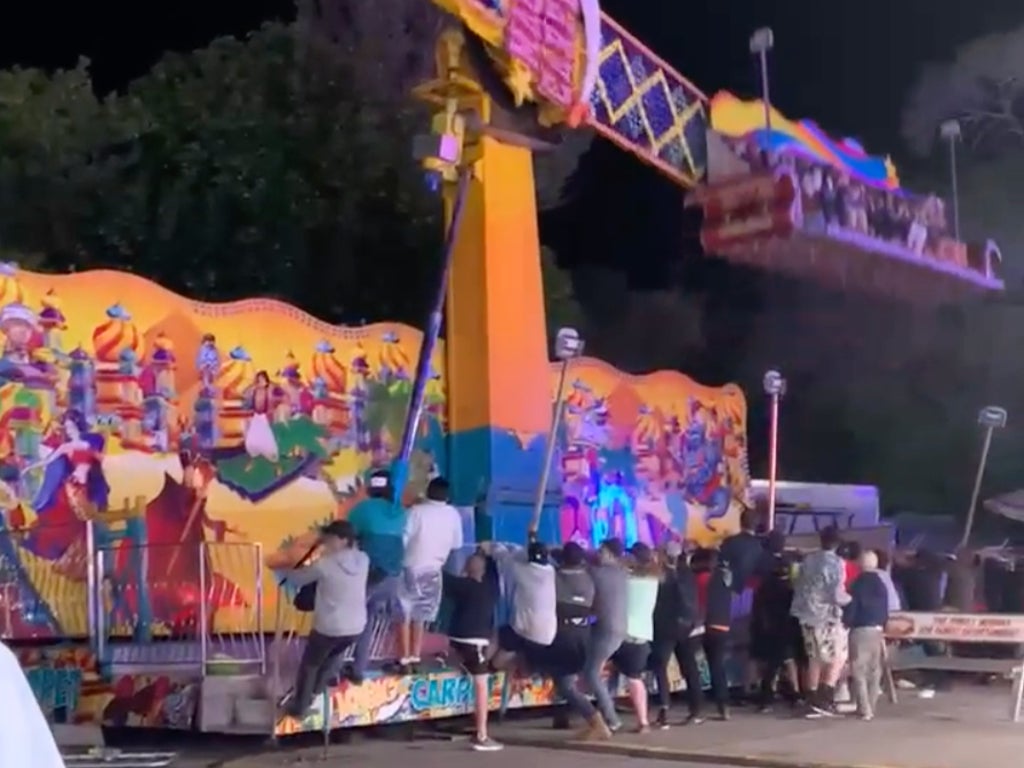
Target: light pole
x=950, y=131
x=762, y=41
x=568, y=346
x=775, y=388
x=990, y=418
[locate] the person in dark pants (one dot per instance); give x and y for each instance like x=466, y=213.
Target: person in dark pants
x=676, y=617
x=715, y=597
x=563, y=659
x=339, y=615
x=475, y=597
x=774, y=633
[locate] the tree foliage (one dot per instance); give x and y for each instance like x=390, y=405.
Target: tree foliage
x=982, y=87
x=278, y=164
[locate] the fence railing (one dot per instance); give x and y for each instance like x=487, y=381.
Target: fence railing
x=196, y=603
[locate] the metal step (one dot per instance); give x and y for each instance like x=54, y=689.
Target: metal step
x=116, y=758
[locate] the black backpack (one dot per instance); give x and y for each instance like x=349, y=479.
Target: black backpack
x=304, y=600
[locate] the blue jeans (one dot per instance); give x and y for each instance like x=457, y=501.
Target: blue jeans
x=380, y=600
x=602, y=647
x=565, y=688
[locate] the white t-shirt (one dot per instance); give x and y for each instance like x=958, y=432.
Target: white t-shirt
x=25, y=737
x=433, y=530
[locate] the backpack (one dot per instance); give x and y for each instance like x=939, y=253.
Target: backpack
x=304, y=600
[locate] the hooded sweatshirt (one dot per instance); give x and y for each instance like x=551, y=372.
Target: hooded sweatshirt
x=534, y=611
x=340, y=591
x=379, y=525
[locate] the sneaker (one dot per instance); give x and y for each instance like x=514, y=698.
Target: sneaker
x=694, y=720
x=662, y=722
x=723, y=714
x=615, y=727
x=487, y=744
x=596, y=729
x=867, y=718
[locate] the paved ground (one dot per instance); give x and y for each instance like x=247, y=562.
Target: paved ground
x=950, y=731
x=954, y=730
x=433, y=754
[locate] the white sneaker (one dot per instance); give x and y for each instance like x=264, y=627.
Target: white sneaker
x=487, y=745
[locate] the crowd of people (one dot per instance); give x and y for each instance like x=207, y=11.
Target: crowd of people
x=833, y=201
x=816, y=619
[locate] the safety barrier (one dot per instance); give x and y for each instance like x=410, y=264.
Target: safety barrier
x=192, y=604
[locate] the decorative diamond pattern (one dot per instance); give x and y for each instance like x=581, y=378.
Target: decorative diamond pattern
x=647, y=108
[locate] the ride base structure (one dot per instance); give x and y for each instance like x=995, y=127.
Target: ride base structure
x=162, y=459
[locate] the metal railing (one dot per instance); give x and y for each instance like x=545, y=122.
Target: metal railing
x=193, y=604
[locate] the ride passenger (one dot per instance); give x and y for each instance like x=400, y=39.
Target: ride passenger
x=379, y=525
x=339, y=613
x=676, y=623
x=433, y=530
x=474, y=599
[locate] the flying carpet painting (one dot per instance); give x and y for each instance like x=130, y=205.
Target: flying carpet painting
x=171, y=423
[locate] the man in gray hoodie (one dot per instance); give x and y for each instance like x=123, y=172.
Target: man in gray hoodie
x=339, y=615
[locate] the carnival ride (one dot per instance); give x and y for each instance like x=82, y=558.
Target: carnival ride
x=191, y=649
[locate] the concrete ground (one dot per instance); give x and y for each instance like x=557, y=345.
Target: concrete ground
x=960, y=729
x=433, y=754
x=953, y=730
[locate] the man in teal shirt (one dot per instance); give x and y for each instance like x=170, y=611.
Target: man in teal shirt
x=379, y=523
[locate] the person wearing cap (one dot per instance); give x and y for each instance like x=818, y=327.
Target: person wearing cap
x=632, y=656
x=339, y=615
x=607, y=634
x=433, y=530
x=379, y=525
x=676, y=618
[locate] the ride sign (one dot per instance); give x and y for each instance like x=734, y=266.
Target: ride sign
x=956, y=627
x=541, y=36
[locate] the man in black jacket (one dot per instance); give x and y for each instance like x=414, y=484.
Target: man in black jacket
x=676, y=616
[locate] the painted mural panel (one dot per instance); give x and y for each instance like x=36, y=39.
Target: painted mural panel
x=169, y=423
x=650, y=458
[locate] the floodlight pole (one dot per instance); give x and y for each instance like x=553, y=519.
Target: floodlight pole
x=950, y=131
x=991, y=418
x=775, y=388
x=568, y=346
x=762, y=41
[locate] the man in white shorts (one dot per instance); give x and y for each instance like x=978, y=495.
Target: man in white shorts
x=433, y=530
x=818, y=600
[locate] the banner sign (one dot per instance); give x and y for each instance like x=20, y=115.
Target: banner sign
x=957, y=627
